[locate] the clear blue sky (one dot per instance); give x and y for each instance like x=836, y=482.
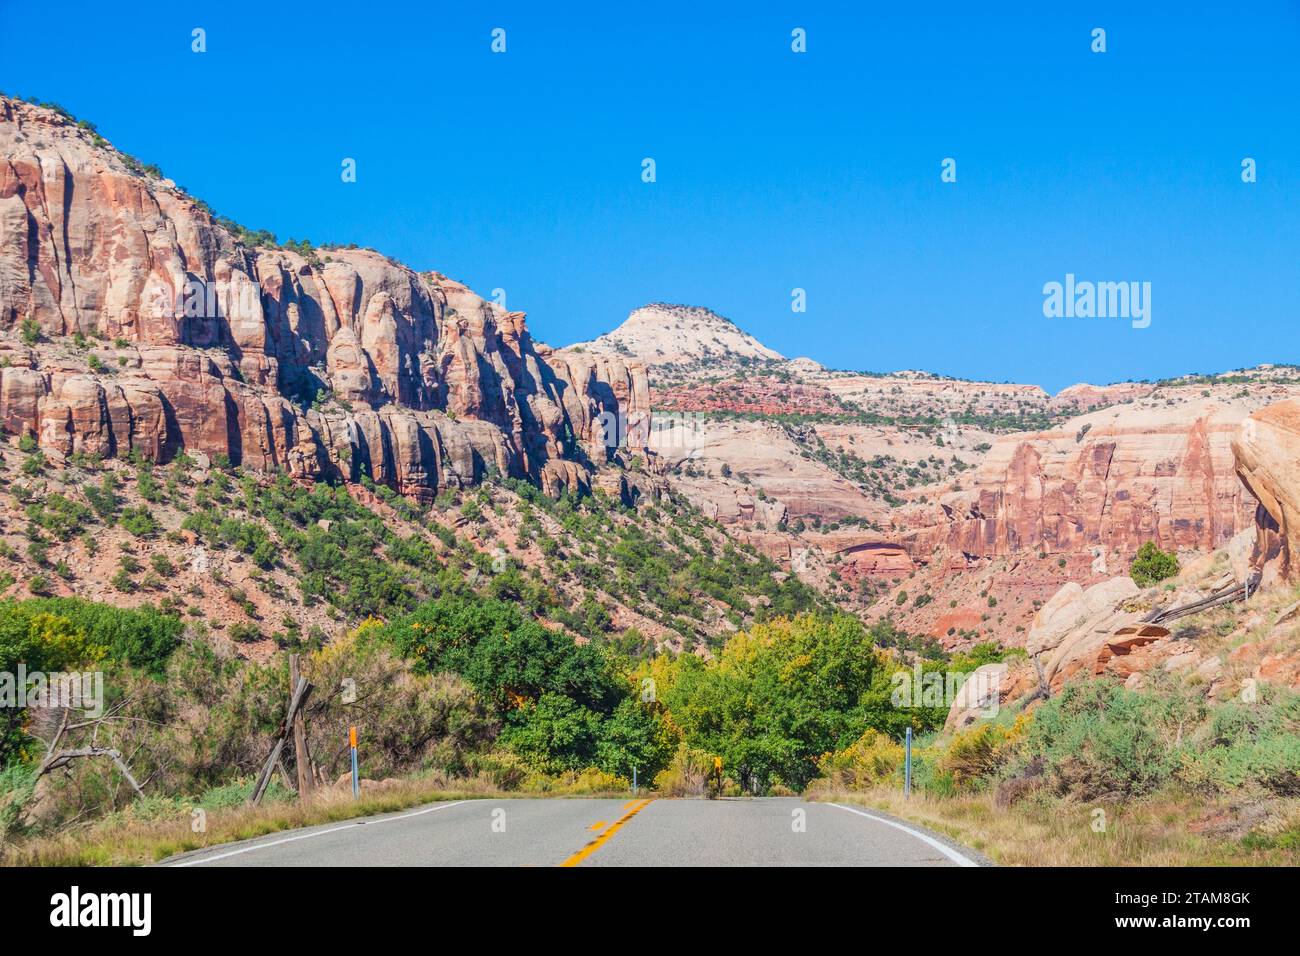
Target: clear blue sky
x=775, y=170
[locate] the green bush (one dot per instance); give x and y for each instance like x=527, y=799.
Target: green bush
x=553, y=734
x=1152, y=565
x=1098, y=739
x=238, y=792
x=59, y=515
x=33, y=634
x=507, y=658
x=785, y=693
x=1252, y=744
x=17, y=785
x=139, y=522
x=141, y=637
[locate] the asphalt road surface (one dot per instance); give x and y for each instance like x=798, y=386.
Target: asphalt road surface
x=581, y=832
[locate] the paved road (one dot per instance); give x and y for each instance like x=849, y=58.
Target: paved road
x=559, y=832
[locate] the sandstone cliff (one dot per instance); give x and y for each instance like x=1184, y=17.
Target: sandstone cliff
x=343, y=363
x=1267, y=452
x=1159, y=470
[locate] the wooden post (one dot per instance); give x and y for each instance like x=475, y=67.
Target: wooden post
x=284, y=775
x=301, y=755
x=300, y=695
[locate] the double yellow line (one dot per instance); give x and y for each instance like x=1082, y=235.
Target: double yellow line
x=636, y=807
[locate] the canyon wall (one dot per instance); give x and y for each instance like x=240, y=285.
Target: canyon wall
x=157, y=331
x=1161, y=470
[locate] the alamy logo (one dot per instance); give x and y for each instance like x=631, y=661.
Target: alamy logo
x=1100, y=300
x=103, y=909
x=78, y=691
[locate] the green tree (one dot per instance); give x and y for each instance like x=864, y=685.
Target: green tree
x=635, y=735
x=41, y=641
x=783, y=694
x=554, y=734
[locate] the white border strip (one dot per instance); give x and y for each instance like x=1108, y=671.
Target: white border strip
x=947, y=851
x=307, y=836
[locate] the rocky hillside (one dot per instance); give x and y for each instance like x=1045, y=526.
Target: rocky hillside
x=956, y=508
x=133, y=320
x=261, y=561
x=1199, y=624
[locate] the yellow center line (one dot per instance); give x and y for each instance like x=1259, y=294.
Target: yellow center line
x=597, y=843
x=597, y=825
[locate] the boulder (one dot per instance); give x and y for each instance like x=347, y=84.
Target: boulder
x=1071, y=630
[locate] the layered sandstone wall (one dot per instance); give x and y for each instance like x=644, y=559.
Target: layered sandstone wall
x=1112, y=479
x=203, y=344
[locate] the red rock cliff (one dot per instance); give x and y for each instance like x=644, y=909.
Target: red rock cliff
x=1162, y=470
x=198, y=342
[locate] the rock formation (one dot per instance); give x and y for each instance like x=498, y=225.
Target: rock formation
x=661, y=334
x=338, y=363
x=1114, y=478
x=1267, y=453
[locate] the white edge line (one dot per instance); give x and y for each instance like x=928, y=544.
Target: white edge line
x=947, y=851
x=307, y=836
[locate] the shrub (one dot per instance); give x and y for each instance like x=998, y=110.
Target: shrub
x=1152, y=565
x=687, y=774
x=30, y=634
x=866, y=762
x=139, y=522
x=17, y=785
x=104, y=498
x=554, y=734
x=141, y=637
x=1251, y=745
x=979, y=753
x=59, y=515
x=1098, y=739
x=237, y=793
x=406, y=720
x=243, y=631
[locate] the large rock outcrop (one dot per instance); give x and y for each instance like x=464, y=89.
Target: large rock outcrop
x=340, y=362
x=1111, y=479
x=1267, y=453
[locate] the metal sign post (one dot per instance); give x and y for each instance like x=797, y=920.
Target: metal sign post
x=907, y=766
x=356, y=781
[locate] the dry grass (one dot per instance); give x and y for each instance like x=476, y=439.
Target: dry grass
x=128, y=840
x=125, y=840
x=1163, y=830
